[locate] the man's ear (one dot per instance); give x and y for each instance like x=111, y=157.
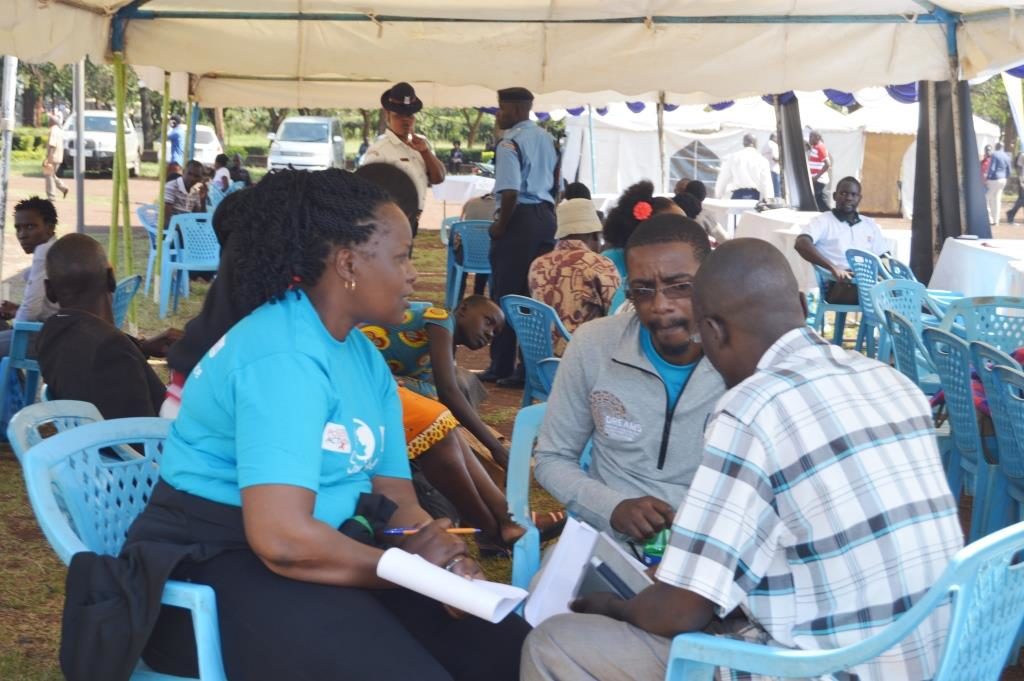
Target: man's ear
x=719, y=332
x=51, y=295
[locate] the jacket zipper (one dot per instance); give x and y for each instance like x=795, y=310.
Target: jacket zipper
x=670, y=409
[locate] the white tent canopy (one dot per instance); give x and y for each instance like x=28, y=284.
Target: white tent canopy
x=300, y=52
x=626, y=144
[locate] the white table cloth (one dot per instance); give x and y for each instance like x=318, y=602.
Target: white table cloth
x=727, y=212
x=462, y=188
x=980, y=267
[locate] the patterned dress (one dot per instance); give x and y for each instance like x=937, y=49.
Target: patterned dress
x=406, y=348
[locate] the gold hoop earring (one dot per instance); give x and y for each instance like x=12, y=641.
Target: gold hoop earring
x=350, y=285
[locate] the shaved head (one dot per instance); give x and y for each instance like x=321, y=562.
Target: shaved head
x=745, y=299
x=77, y=271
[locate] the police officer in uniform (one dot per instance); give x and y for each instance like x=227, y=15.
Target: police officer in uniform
x=526, y=179
x=400, y=146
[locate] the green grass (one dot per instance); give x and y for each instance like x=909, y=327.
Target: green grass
x=32, y=587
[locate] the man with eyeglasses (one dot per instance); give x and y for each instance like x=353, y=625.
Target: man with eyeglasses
x=637, y=386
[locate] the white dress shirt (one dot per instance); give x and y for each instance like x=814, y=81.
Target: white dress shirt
x=771, y=154
x=745, y=169
x=388, y=148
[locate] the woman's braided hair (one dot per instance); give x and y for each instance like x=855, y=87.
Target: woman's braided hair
x=292, y=219
x=620, y=222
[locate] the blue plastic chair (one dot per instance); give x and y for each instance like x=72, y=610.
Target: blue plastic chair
x=123, y=295
x=148, y=216
x=546, y=369
x=840, y=311
x=86, y=501
x=476, y=255
x=986, y=591
x=967, y=468
x=17, y=391
x=912, y=358
x=867, y=269
x=446, y=227
x=940, y=299
x=26, y=428
x=535, y=325
x=996, y=320
x=194, y=248
x=908, y=298
x=1008, y=387
x=526, y=551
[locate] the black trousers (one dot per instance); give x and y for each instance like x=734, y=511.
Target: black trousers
x=1018, y=204
x=819, y=196
x=531, y=232
x=273, y=628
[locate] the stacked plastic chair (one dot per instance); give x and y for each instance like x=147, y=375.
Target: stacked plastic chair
x=192, y=246
x=19, y=373
x=86, y=500
x=840, y=311
x=475, y=258
x=123, y=295
x=967, y=468
x=867, y=269
x=986, y=591
x=996, y=320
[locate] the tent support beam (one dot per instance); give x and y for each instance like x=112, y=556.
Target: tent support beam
x=135, y=11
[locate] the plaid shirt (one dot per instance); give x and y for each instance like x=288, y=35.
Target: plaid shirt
x=820, y=507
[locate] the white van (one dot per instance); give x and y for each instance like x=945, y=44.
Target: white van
x=307, y=143
x=100, y=141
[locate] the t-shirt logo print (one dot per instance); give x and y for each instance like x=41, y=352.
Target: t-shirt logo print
x=364, y=456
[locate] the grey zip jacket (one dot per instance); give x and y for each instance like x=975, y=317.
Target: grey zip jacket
x=608, y=391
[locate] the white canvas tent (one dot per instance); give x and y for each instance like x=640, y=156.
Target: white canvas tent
x=875, y=144
x=890, y=146
x=332, y=52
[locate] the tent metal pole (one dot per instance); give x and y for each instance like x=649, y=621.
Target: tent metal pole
x=933, y=168
x=79, y=159
x=192, y=124
x=661, y=140
x=134, y=12
x=165, y=114
x=7, y=125
x=590, y=137
x=126, y=215
x=782, y=147
x=113, y=252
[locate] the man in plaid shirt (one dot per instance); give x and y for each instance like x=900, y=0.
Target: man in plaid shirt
x=819, y=514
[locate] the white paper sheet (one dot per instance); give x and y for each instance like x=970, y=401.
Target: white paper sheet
x=487, y=600
x=562, y=573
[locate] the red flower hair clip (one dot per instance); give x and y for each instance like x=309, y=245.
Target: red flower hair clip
x=642, y=210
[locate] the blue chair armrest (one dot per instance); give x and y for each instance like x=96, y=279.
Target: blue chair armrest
x=200, y=601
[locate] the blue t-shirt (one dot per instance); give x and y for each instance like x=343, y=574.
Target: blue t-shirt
x=278, y=400
x=675, y=376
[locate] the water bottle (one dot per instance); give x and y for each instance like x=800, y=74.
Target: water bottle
x=654, y=549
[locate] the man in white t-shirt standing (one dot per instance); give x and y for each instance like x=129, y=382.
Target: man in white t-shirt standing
x=401, y=147
x=826, y=239
x=54, y=158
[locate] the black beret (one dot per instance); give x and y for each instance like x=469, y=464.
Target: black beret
x=515, y=94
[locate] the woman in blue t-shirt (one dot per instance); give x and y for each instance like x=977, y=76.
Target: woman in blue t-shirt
x=291, y=430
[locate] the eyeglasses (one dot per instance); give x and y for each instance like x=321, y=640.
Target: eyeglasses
x=644, y=294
